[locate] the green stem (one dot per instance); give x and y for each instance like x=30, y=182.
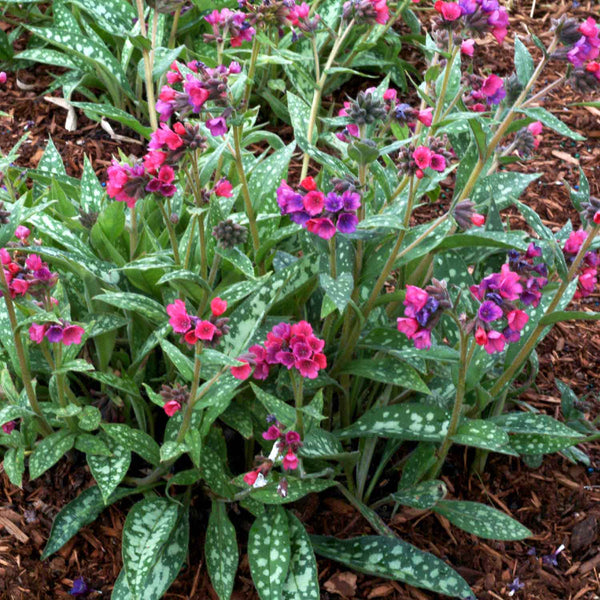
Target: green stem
x=442, y=96
x=189, y=407
x=60, y=385
x=203, y=255
x=297, y=386
x=251, y=71
x=237, y=139
x=214, y=267
x=147, y=67
x=20, y=350
x=316, y=101
x=173, y=34
x=465, y=359
x=171, y=232
x=133, y=237
x=188, y=250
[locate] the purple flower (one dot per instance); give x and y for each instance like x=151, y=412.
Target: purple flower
x=515, y=586
x=347, y=223
x=333, y=203
x=425, y=313
x=489, y=311
x=351, y=200
x=217, y=126
x=54, y=333
x=80, y=587
x=301, y=217
x=550, y=560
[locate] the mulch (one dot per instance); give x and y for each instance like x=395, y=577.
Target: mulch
x=559, y=501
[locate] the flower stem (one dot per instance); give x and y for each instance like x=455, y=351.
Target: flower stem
x=25, y=374
x=148, y=66
x=444, y=89
x=251, y=71
x=133, y=236
x=171, y=232
x=189, y=407
x=298, y=399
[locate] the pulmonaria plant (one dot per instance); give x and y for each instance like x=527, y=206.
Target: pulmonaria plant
x=293, y=346
x=320, y=213
x=366, y=11
x=229, y=23
x=587, y=275
x=62, y=332
x=416, y=160
x=193, y=329
x=476, y=17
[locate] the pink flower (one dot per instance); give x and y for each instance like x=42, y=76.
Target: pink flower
x=218, y=306
x=324, y=227
x=390, y=94
x=36, y=333
x=251, y=477
x=575, y=241
x=164, y=136
x=22, y=232
x=223, y=188
x=477, y=220
x=438, y=162
x=292, y=438
x=408, y=326
x=272, y=434
x=481, y=336
x=197, y=94
x=468, y=47
x=8, y=427
x=5, y=256
x=422, y=339
x=290, y=461
x=536, y=127
x=242, y=372
x=415, y=300
x=426, y=116
x=314, y=202
x=171, y=407
x=180, y=320
x=205, y=330
x=154, y=160
x=308, y=368
x=517, y=319
x=495, y=342
x=589, y=28
x=72, y=335
x=33, y=262
x=3, y=77
x=309, y=184
x=450, y=11
x=422, y=156
x=19, y=286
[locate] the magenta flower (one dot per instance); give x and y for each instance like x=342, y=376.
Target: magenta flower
x=517, y=319
x=205, y=330
x=217, y=126
x=426, y=116
x=495, y=342
x=468, y=47
x=22, y=232
x=36, y=333
x=7, y=428
x=322, y=227
x=450, y=11
x=272, y=434
x=171, y=407
x=490, y=311
x=313, y=202
x=242, y=372
x=71, y=334
x=180, y=320
x=575, y=241
x=290, y=461
x=422, y=157
x=415, y=300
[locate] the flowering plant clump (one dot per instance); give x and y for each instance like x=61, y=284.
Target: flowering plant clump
x=169, y=309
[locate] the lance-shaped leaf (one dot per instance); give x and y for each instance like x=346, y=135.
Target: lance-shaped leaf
x=483, y=434
x=303, y=577
x=14, y=465
x=339, y=290
x=481, y=520
x=417, y=422
x=423, y=495
x=296, y=489
x=137, y=303
x=221, y=551
x=108, y=471
x=394, y=559
x=77, y=514
x=147, y=528
x=549, y=120
x=269, y=552
x=49, y=451
x=387, y=370
x=135, y=440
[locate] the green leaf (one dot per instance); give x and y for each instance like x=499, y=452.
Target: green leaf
x=533, y=423
x=269, y=552
x=12, y=412
x=505, y=187
x=113, y=16
x=238, y=259
x=77, y=514
x=92, y=444
x=284, y=413
x=569, y=315
x=182, y=363
x=96, y=111
x=481, y=520
x=89, y=418
x=482, y=434
x=221, y=551
x=135, y=440
x=523, y=62
x=108, y=471
x=417, y=422
x=266, y=177
x=147, y=529
x=300, y=116
x=387, y=370
x=49, y=451
x=530, y=444
x=549, y=120
x=339, y=290
x=303, y=576
x=423, y=495
x=296, y=489
x=137, y=303
x=14, y=465
x=394, y=559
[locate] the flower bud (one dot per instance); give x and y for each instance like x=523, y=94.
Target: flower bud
x=525, y=142
x=567, y=30
x=230, y=234
x=4, y=214
x=513, y=88
x=366, y=109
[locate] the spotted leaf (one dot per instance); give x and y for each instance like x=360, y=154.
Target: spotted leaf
x=221, y=551
x=108, y=471
x=303, y=577
x=423, y=495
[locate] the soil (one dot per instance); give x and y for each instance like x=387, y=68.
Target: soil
x=558, y=501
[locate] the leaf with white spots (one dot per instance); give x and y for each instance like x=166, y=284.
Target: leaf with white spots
x=529, y=444
x=387, y=370
x=113, y=16
x=266, y=177
x=339, y=289
x=238, y=259
x=143, y=305
x=319, y=443
x=221, y=551
x=49, y=451
x=77, y=514
x=421, y=459
x=535, y=423
x=147, y=529
x=423, y=495
x=300, y=116
x=108, y=471
x=296, y=489
x=283, y=412
x=417, y=422
x=504, y=186
x=92, y=193
x=303, y=577
x=51, y=162
x=14, y=465
x=392, y=558
x=135, y=440
x=269, y=552
x=478, y=433
x=549, y=120
x=481, y=520
x=97, y=111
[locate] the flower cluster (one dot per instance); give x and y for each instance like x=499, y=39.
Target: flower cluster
x=320, y=213
x=175, y=397
x=588, y=270
x=281, y=13
x=62, y=332
x=478, y=17
x=423, y=309
x=587, y=47
x=26, y=274
x=499, y=319
x=194, y=329
x=232, y=22
x=465, y=215
x=366, y=11
x=285, y=449
x=528, y=139
x=484, y=91
x=433, y=155
x=293, y=346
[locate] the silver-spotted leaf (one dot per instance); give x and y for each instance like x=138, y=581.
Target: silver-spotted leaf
x=221, y=551
x=303, y=577
x=108, y=471
x=423, y=495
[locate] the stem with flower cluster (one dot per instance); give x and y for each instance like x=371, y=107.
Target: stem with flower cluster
x=148, y=65
x=316, y=101
x=25, y=374
x=297, y=386
x=251, y=71
x=171, y=232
